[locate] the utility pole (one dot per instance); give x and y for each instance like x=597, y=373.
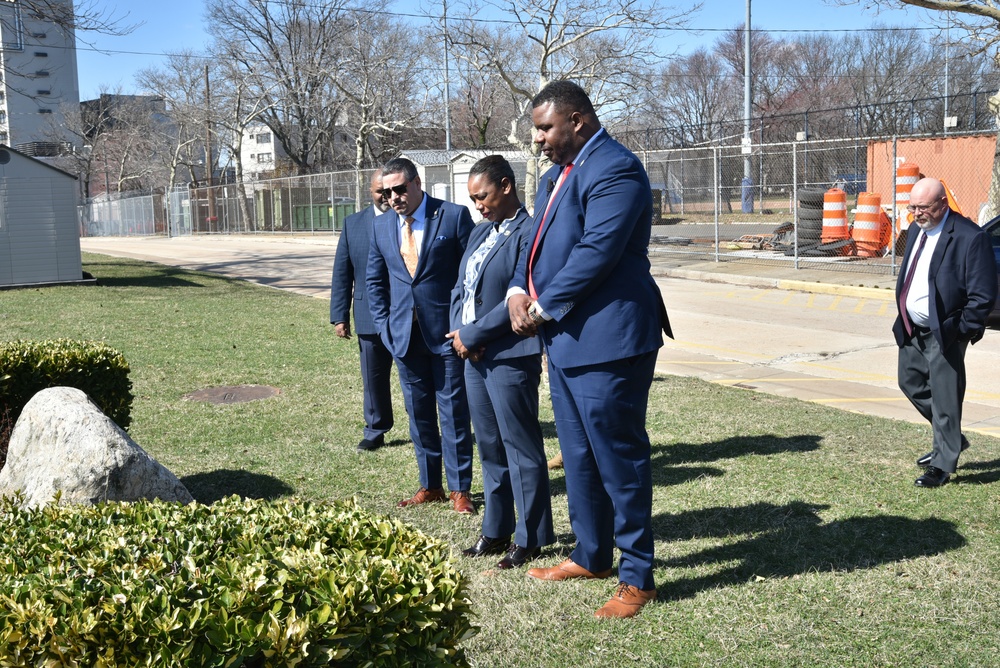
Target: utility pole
x=447, y=94
x=208, y=150
x=747, y=94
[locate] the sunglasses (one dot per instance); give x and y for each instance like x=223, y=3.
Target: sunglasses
x=399, y=190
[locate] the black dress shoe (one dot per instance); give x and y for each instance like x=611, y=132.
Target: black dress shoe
x=367, y=445
x=487, y=545
x=932, y=477
x=925, y=461
x=518, y=556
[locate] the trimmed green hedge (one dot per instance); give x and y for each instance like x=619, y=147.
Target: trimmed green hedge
x=28, y=367
x=237, y=583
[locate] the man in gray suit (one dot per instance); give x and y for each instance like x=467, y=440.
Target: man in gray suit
x=946, y=288
x=348, y=286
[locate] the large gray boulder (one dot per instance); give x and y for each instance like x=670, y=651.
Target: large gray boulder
x=63, y=442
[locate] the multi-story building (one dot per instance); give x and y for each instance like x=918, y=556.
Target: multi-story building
x=39, y=77
x=260, y=152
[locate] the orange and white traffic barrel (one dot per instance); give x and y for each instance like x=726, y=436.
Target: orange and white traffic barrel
x=871, y=225
x=835, y=216
x=907, y=174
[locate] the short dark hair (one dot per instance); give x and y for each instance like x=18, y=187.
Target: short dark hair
x=565, y=96
x=496, y=169
x=400, y=166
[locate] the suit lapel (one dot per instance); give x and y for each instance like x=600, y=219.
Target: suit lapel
x=501, y=240
x=947, y=235
x=579, y=164
x=431, y=226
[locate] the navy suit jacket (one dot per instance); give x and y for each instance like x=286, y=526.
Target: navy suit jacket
x=396, y=298
x=350, y=268
x=491, y=328
x=591, y=270
x=962, y=282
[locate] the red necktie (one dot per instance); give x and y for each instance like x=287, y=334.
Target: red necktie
x=541, y=226
x=907, y=325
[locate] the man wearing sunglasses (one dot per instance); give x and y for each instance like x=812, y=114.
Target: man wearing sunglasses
x=946, y=288
x=415, y=255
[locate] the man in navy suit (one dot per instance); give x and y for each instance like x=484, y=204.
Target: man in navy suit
x=946, y=289
x=585, y=288
x=350, y=266
x=413, y=265
x=502, y=373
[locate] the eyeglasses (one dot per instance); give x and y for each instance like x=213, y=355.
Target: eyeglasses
x=399, y=190
x=920, y=208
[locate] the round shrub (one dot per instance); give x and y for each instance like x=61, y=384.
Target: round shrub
x=237, y=583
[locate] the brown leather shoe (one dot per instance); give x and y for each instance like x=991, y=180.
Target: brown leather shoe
x=423, y=495
x=462, y=503
x=627, y=602
x=555, y=463
x=567, y=570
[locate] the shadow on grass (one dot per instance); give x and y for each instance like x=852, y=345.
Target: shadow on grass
x=792, y=539
x=736, y=446
x=987, y=472
x=216, y=485
x=666, y=459
x=152, y=276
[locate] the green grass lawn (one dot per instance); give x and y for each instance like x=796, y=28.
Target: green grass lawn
x=787, y=534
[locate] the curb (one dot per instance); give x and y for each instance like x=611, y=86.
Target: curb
x=779, y=284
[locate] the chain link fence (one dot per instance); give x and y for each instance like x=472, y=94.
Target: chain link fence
x=724, y=203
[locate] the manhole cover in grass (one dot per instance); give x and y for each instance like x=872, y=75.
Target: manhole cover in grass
x=233, y=394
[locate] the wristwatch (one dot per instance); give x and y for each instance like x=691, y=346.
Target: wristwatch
x=534, y=315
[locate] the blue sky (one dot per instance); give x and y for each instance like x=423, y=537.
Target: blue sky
x=169, y=27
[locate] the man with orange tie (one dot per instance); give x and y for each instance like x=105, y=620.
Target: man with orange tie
x=413, y=265
x=946, y=288
x=585, y=288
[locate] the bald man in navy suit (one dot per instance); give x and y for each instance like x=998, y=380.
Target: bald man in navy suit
x=347, y=287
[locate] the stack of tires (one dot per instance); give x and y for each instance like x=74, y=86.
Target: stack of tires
x=810, y=226
x=809, y=231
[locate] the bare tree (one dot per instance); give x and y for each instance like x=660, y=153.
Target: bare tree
x=289, y=54
x=608, y=46
x=237, y=108
x=185, y=143
x=482, y=109
x=379, y=83
x=697, y=95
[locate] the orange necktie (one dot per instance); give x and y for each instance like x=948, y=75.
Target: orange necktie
x=408, y=249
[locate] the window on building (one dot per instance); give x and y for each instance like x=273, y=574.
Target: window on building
x=264, y=138
x=3, y=116
x=41, y=54
x=12, y=35
x=263, y=157
x=45, y=111
x=44, y=91
x=38, y=35
x=3, y=137
x=42, y=73
x=253, y=157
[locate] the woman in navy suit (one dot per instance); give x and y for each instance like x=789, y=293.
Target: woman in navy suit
x=502, y=373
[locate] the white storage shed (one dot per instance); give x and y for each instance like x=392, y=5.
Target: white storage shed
x=39, y=233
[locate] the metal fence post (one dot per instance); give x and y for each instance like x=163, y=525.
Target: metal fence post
x=718, y=193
